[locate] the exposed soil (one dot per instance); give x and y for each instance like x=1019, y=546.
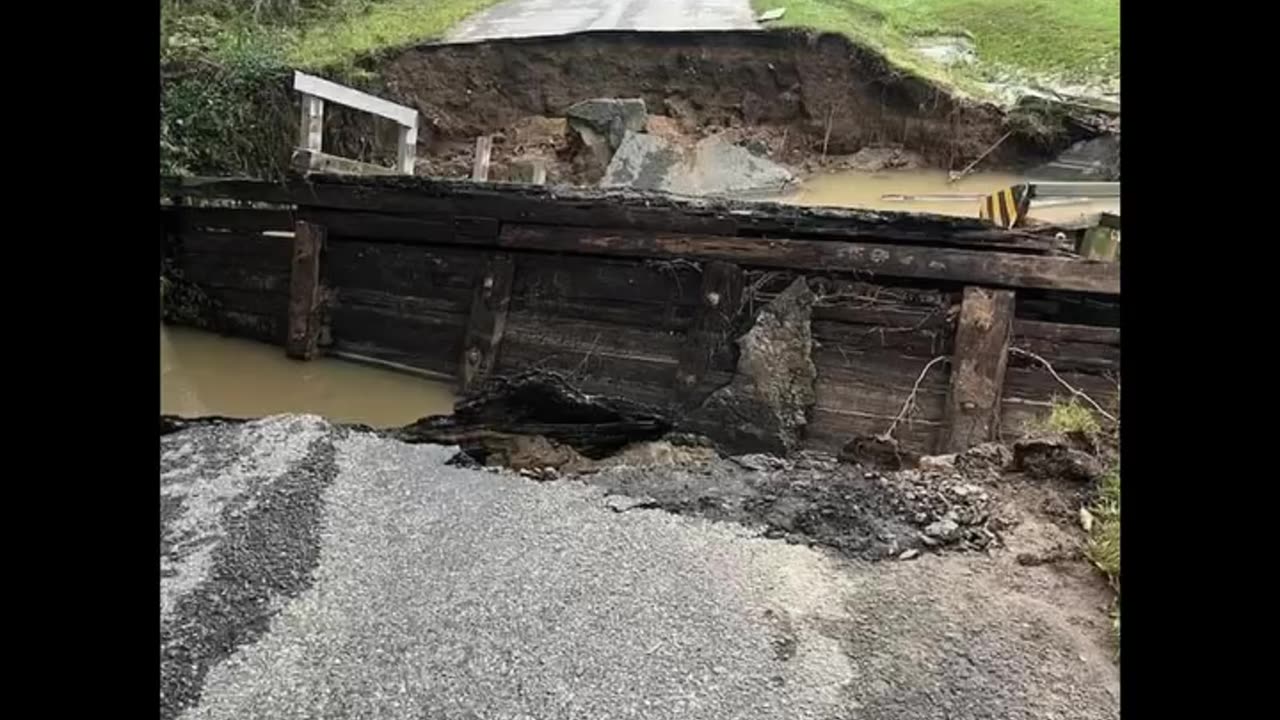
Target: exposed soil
x=801, y=99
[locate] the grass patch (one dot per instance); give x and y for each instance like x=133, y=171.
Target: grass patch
x=1072, y=416
x=1104, y=540
x=226, y=104
x=1077, y=40
x=357, y=27
x=1103, y=549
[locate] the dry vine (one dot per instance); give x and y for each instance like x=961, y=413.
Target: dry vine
x=909, y=404
x=1075, y=392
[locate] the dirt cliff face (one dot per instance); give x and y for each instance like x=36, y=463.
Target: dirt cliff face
x=796, y=94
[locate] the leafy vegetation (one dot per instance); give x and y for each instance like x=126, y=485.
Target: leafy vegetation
x=1077, y=40
x=225, y=66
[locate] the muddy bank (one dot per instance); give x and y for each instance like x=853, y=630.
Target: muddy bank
x=789, y=95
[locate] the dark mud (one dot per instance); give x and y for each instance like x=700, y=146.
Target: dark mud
x=814, y=499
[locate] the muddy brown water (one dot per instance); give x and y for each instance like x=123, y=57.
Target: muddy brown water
x=877, y=191
x=204, y=373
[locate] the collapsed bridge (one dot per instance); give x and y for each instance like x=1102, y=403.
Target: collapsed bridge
x=942, y=332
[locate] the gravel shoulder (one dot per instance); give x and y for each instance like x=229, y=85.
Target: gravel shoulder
x=315, y=571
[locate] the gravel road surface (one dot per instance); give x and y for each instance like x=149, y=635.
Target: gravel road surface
x=526, y=18
x=310, y=571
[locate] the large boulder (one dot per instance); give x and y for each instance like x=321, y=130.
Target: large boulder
x=603, y=123
x=713, y=166
x=765, y=407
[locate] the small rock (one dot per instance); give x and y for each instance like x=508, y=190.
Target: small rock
x=940, y=463
x=909, y=554
x=1086, y=519
x=945, y=529
x=984, y=458
x=1052, y=457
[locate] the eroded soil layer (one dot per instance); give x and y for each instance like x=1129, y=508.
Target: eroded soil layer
x=790, y=95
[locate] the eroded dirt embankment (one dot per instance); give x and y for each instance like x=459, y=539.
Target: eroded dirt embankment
x=792, y=96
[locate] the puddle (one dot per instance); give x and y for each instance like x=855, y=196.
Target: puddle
x=203, y=373
x=928, y=191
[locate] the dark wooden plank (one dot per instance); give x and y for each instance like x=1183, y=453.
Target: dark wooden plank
x=304, y=291
x=957, y=266
x=551, y=277
x=1089, y=357
x=978, y=368
x=720, y=298
x=912, y=339
x=830, y=430
x=442, y=309
x=441, y=229
x=602, y=209
x=403, y=269
x=244, y=220
x=240, y=248
x=1065, y=332
x=216, y=272
x=427, y=342
x=668, y=317
x=487, y=321
x=250, y=301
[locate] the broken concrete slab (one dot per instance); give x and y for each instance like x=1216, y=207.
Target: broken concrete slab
x=1096, y=160
x=714, y=166
x=765, y=407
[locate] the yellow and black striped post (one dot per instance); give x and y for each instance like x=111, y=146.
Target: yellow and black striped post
x=1008, y=207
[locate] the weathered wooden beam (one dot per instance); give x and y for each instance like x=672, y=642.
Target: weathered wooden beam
x=492, y=297
x=310, y=85
x=1065, y=332
x=311, y=124
x=314, y=161
x=480, y=168
x=427, y=230
x=977, y=368
x=304, y=291
x=594, y=208
x=720, y=299
x=407, y=149
x=954, y=265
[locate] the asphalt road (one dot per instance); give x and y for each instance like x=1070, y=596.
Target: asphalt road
x=311, y=572
x=524, y=18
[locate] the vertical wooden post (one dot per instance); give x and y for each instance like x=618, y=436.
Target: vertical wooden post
x=304, y=291
x=978, y=368
x=311, y=125
x=489, y=301
x=480, y=170
x=719, y=299
x=407, y=154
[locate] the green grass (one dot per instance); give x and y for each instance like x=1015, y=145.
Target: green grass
x=1077, y=40
x=355, y=28
x=1072, y=416
x=1103, y=549
x=1104, y=540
